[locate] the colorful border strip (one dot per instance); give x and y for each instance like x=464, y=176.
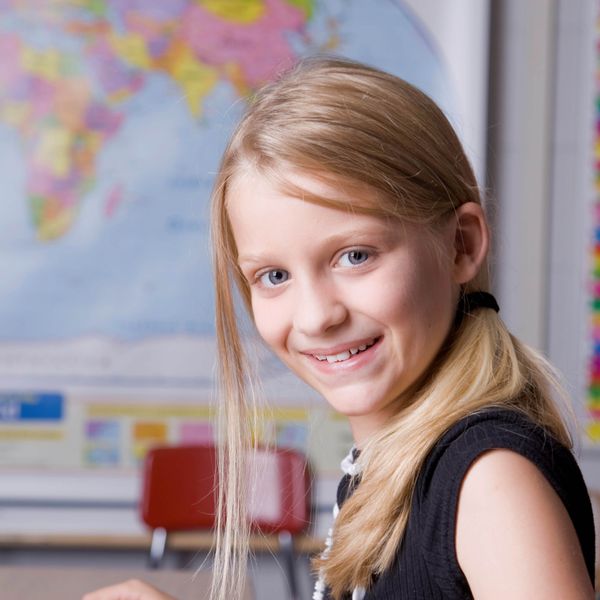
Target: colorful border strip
x=593, y=395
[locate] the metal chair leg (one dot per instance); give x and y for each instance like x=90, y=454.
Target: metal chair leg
x=286, y=546
x=157, y=547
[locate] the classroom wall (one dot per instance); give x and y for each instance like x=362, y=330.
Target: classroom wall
x=125, y=375
x=541, y=86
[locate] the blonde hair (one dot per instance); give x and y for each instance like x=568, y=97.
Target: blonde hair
x=358, y=126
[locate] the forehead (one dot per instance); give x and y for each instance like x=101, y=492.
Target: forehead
x=318, y=187
x=253, y=195
x=267, y=221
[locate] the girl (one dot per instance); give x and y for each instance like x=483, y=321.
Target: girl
x=349, y=218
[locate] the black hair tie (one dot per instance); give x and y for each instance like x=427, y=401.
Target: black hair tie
x=469, y=302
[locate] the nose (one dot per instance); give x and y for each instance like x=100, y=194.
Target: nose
x=319, y=307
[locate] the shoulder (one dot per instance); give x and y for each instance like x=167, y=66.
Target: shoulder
x=514, y=537
x=492, y=429
x=498, y=443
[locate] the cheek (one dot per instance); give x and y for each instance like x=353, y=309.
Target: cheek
x=269, y=319
x=435, y=302
x=419, y=299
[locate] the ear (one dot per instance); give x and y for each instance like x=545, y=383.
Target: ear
x=471, y=241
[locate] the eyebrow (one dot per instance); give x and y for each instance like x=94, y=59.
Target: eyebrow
x=356, y=234
x=251, y=259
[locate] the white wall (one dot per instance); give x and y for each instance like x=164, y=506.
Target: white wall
x=519, y=121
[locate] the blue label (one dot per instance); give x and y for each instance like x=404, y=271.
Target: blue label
x=26, y=406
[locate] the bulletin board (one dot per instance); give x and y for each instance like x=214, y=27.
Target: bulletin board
x=113, y=116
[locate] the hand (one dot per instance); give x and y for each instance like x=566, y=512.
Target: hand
x=134, y=589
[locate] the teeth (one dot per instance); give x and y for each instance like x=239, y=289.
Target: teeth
x=332, y=358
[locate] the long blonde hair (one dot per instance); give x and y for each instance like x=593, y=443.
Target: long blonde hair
x=362, y=127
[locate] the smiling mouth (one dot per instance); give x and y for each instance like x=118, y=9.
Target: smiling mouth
x=346, y=354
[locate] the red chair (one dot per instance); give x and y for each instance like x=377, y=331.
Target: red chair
x=179, y=493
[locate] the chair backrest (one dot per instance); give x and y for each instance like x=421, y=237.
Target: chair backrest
x=179, y=488
x=180, y=485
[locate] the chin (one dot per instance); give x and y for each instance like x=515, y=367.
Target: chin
x=364, y=403
x=351, y=408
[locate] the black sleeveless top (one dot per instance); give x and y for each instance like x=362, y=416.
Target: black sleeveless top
x=426, y=566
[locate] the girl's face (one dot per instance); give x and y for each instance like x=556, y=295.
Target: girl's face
x=357, y=306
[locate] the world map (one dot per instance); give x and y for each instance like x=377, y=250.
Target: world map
x=113, y=117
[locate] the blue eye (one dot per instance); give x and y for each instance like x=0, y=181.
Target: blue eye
x=274, y=278
x=352, y=258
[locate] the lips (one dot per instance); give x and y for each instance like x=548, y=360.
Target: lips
x=343, y=352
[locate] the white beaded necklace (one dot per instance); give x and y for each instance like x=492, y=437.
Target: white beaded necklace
x=349, y=467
